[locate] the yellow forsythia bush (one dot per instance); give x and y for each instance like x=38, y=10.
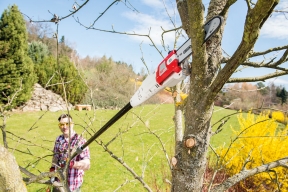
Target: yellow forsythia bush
x=279, y=116
x=258, y=141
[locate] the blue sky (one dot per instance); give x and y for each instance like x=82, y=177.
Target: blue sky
x=141, y=16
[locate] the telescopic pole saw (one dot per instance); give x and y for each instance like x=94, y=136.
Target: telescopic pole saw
x=168, y=73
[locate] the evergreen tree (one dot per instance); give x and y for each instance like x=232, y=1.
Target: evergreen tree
x=49, y=73
x=16, y=68
x=105, y=66
x=74, y=86
x=283, y=95
x=37, y=51
x=62, y=40
x=263, y=89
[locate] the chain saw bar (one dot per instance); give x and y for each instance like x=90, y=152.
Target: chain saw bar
x=171, y=64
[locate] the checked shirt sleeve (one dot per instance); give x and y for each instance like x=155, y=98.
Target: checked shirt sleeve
x=75, y=176
x=86, y=153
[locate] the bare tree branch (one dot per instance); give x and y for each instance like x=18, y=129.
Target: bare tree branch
x=227, y=6
x=123, y=33
x=101, y=14
x=32, y=178
x=247, y=173
x=136, y=176
x=247, y=43
x=254, y=54
x=168, y=31
x=260, y=78
x=123, y=184
x=143, y=60
x=4, y=114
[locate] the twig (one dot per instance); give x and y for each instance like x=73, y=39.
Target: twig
x=247, y=173
x=126, y=166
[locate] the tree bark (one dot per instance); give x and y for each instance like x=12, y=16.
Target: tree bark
x=3, y=129
x=178, y=119
x=10, y=176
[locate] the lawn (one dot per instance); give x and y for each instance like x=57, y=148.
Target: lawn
x=137, y=144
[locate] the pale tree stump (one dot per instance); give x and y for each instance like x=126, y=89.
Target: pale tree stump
x=10, y=176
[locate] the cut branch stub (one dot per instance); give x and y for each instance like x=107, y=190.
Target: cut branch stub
x=174, y=161
x=189, y=143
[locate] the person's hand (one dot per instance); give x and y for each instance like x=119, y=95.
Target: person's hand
x=82, y=164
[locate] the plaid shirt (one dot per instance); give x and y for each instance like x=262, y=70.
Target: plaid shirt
x=75, y=176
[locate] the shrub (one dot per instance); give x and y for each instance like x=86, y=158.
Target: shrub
x=257, y=142
x=279, y=116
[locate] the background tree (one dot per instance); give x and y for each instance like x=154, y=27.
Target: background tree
x=283, y=95
x=273, y=94
x=247, y=96
x=16, y=68
x=50, y=74
x=37, y=51
x=263, y=89
x=112, y=82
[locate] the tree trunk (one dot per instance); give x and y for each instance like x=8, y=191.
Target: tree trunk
x=3, y=129
x=191, y=162
x=10, y=176
x=191, y=159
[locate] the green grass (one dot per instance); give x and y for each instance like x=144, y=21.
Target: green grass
x=224, y=136
x=140, y=150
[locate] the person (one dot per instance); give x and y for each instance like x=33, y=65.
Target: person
x=77, y=165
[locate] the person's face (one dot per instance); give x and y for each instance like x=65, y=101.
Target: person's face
x=65, y=124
